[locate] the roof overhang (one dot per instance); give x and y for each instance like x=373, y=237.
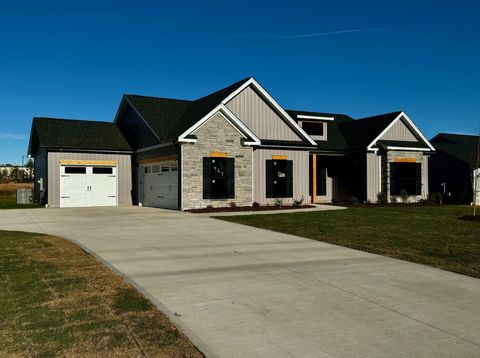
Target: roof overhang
x=413, y=127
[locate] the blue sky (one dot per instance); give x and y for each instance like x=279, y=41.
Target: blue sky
x=76, y=59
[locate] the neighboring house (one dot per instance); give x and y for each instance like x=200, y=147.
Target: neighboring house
x=452, y=167
x=234, y=145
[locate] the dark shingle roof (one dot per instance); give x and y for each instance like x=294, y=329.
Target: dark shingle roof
x=461, y=146
x=76, y=134
x=335, y=140
x=348, y=134
x=169, y=118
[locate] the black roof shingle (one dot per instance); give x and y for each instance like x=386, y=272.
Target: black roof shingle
x=461, y=146
x=76, y=134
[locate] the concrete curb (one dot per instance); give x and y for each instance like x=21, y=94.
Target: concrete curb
x=196, y=341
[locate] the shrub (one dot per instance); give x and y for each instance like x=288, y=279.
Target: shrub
x=297, y=203
x=255, y=204
x=435, y=198
x=382, y=197
x=278, y=202
x=232, y=205
x=404, y=195
x=209, y=207
x=352, y=200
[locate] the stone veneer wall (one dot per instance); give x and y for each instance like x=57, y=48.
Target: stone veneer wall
x=216, y=135
x=390, y=157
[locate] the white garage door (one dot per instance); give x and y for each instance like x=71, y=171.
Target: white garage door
x=82, y=186
x=159, y=182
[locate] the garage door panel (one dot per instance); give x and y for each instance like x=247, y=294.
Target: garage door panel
x=159, y=184
x=88, y=186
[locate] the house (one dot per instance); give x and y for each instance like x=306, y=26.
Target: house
x=453, y=167
x=234, y=145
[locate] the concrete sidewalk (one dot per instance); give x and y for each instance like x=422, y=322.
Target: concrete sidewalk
x=245, y=292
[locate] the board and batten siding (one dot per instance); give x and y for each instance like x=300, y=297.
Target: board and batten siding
x=300, y=174
x=399, y=131
x=373, y=176
x=39, y=171
x=124, y=174
x=259, y=117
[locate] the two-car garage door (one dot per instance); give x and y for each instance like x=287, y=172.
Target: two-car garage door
x=83, y=185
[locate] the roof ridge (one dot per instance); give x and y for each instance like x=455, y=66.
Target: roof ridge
x=72, y=120
x=380, y=115
x=458, y=134
x=155, y=97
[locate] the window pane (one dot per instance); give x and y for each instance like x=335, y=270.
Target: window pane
x=148, y=170
x=155, y=168
x=404, y=177
x=313, y=128
x=165, y=168
x=75, y=170
x=97, y=170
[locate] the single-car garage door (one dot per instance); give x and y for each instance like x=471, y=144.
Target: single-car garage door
x=82, y=186
x=159, y=183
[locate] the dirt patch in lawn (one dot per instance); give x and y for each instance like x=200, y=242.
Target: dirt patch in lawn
x=58, y=301
x=248, y=208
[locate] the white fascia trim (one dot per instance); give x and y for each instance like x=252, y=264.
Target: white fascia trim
x=234, y=121
x=269, y=98
x=303, y=116
x=410, y=149
x=404, y=115
x=418, y=131
x=146, y=149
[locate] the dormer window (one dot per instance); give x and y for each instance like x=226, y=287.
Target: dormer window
x=314, y=128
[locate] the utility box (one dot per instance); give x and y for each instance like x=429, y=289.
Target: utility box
x=24, y=196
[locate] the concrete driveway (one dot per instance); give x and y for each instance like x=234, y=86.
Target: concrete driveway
x=245, y=292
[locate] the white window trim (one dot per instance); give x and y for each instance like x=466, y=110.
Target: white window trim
x=409, y=121
x=320, y=118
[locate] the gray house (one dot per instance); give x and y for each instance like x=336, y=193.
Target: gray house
x=234, y=145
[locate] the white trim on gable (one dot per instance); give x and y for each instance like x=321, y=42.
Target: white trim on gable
x=321, y=118
x=409, y=121
x=272, y=102
x=230, y=117
x=409, y=149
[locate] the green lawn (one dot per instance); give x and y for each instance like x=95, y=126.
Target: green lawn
x=9, y=202
x=55, y=300
x=431, y=235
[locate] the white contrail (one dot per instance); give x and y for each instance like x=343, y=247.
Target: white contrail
x=5, y=135
x=305, y=36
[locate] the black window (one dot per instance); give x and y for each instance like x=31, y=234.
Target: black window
x=100, y=170
x=218, y=178
x=279, y=178
x=405, y=176
x=313, y=128
x=321, y=178
x=75, y=170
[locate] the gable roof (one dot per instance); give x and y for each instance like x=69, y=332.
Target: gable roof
x=171, y=119
x=461, y=146
x=359, y=134
x=76, y=134
x=168, y=117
